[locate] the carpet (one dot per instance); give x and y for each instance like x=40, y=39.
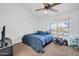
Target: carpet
x=51, y=49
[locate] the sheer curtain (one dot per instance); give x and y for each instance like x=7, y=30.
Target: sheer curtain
x=60, y=29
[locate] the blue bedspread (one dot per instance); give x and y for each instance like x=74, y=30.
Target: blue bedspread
x=43, y=38
x=37, y=41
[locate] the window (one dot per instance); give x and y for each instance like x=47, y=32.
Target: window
x=60, y=29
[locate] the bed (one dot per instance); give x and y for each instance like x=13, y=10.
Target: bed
x=38, y=40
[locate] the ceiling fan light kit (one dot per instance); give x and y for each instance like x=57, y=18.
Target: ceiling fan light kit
x=46, y=11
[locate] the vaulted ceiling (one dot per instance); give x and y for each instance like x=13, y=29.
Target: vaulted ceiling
x=62, y=8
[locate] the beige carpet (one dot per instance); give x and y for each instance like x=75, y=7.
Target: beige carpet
x=21, y=49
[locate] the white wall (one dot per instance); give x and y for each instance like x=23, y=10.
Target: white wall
x=74, y=16
x=17, y=20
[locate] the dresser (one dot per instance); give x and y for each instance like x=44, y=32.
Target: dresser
x=6, y=51
x=7, y=48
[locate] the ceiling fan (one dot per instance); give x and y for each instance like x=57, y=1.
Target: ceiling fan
x=48, y=6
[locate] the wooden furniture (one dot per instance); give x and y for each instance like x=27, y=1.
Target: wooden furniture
x=6, y=51
x=6, y=48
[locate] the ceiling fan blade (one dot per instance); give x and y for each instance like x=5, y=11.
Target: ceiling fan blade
x=39, y=9
x=52, y=9
x=54, y=4
x=46, y=4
